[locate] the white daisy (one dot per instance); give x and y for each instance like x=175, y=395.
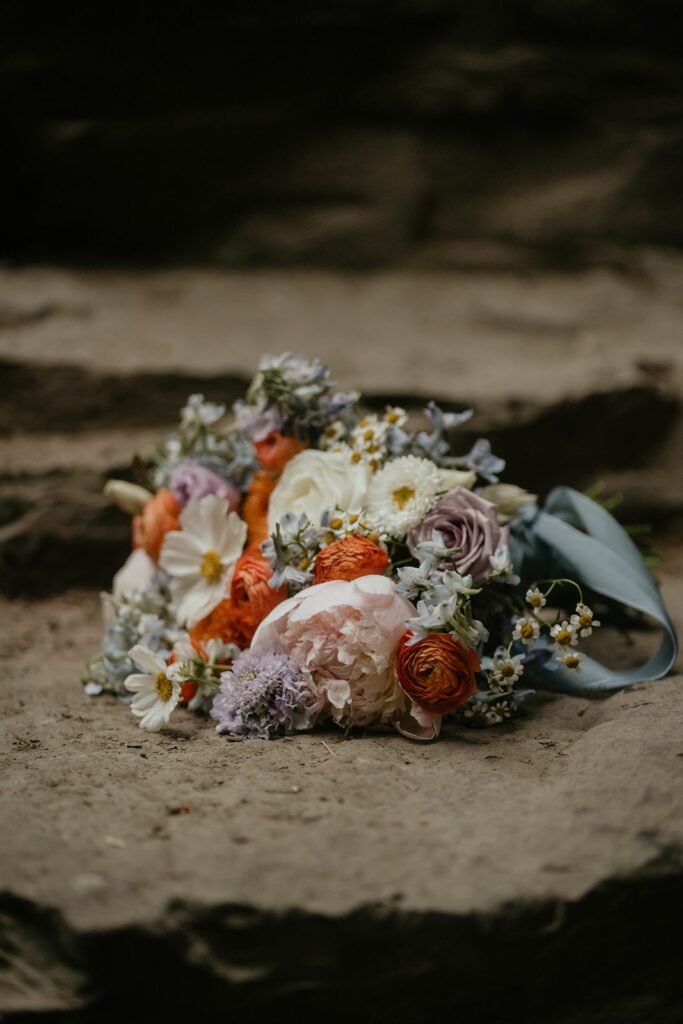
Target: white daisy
x=583, y=620
x=536, y=598
x=571, y=660
x=506, y=672
x=402, y=493
x=497, y=713
x=201, y=557
x=156, y=690
x=527, y=630
x=564, y=635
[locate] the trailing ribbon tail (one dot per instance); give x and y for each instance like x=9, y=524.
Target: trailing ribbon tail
x=573, y=537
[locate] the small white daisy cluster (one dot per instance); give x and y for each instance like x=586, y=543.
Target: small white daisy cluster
x=370, y=441
x=336, y=524
x=563, y=634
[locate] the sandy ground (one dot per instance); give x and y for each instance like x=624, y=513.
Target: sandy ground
x=110, y=826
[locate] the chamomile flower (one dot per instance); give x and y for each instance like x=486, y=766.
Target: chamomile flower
x=571, y=660
x=583, y=620
x=505, y=673
x=564, y=635
x=536, y=598
x=402, y=493
x=156, y=688
x=527, y=629
x=497, y=713
x=201, y=557
x=333, y=435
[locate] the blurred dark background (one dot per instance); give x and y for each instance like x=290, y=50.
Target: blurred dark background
x=352, y=134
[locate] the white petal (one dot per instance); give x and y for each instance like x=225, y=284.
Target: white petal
x=137, y=682
x=154, y=718
x=147, y=660
x=144, y=701
x=233, y=536
x=198, y=516
x=198, y=600
x=181, y=554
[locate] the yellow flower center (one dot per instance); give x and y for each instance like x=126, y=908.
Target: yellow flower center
x=163, y=686
x=506, y=671
x=572, y=661
x=402, y=495
x=535, y=600
x=368, y=435
x=563, y=638
x=211, y=568
x=356, y=457
x=526, y=631
x=392, y=417
x=304, y=563
x=336, y=523
x=585, y=620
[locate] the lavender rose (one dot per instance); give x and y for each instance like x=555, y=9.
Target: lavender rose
x=465, y=521
x=190, y=482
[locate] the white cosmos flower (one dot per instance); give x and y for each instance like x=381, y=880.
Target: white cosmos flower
x=156, y=690
x=401, y=494
x=201, y=557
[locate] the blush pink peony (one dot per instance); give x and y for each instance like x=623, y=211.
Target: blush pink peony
x=345, y=633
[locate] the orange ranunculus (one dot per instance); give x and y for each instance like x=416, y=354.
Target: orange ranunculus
x=251, y=596
x=275, y=450
x=437, y=672
x=255, y=506
x=158, y=517
x=217, y=625
x=349, y=558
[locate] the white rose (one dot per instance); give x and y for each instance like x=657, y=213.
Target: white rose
x=314, y=481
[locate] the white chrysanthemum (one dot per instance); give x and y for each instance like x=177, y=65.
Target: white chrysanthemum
x=401, y=494
x=156, y=690
x=201, y=557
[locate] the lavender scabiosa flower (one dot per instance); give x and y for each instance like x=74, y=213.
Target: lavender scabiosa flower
x=190, y=482
x=265, y=695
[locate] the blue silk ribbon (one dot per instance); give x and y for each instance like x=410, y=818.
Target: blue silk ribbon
x=574, y=538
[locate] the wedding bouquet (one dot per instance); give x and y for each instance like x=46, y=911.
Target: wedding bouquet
x=306, y=561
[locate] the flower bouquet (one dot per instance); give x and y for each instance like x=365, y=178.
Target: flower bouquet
x=306, y=562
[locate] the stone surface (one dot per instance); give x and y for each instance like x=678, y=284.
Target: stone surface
x=298, y=876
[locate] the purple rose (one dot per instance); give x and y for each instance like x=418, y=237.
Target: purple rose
x=190, y=481
x=465, y=521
